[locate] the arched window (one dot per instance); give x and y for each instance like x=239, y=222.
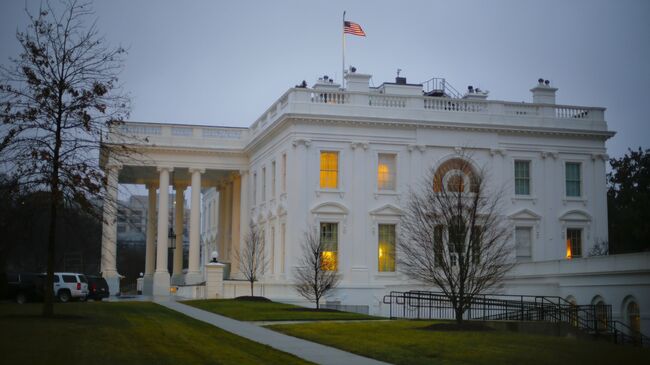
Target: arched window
x=633, y=315
x=600, y=313
x=455, y=175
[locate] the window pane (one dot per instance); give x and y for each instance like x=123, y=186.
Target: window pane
x=329, y=170
x=522, y=177
x=573, y=179
x=386, y=172
x=329, y=240
x=573, y=242
x=386, y=248
x=523, y=242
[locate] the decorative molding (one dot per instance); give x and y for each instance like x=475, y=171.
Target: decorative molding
x=355, y=145
x=525, y=214
x=419, y=147
x=497, y=151
x=168, y=168
x=458, y=150
x=387, y=210
x=200, y=170
x=601, y=156
x=545, y=154
x=298, y=141
x=575, y=215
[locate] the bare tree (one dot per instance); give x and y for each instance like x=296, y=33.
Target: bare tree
x=57, y=99
x=453, y=234
x=315, y=274
x=251, y=257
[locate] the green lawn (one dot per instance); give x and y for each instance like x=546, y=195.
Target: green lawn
x=121, y=333
x=268, y=311
x=405, y=342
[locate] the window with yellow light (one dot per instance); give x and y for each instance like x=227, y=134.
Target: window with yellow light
x=386, y=171
x=329, y=240
x=386, y=254
x=573, y=243
x=329, y=170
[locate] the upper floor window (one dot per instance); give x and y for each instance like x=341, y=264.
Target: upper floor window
x=329, y=237
x=386, y=253
x=573, y=242
x=263, y=184
x=573, y=179
x=273, y=179
x=254, y=188
x=284, y=172
x=522, y=177
x=329, y=170
x=386, y=172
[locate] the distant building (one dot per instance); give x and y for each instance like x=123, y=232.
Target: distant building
x=342, y=159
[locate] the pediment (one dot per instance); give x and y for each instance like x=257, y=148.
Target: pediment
x=330, y=208
x=387, y=210
x=525, y=214
x=575, y=215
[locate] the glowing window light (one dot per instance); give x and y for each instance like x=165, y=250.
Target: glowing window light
x=386, y=248
x=329, y=170
x=568, y=249
x=328, y=261
x=386, y=172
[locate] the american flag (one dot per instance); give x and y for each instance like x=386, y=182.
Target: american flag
x=353, y=28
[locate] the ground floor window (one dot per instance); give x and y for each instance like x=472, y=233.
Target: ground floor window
x=386, y=254
x=573, y=243
x=329, y=237
x=523, y=237
x=634, y=316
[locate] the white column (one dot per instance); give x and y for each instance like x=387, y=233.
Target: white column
x=179, y=210
x=150, y=256
x=227, y=219
x=244, y=210
x=359, y=263
x=193, y=273
x=220, y=222
x=235, y=223
x=109, y=231
x=161, y=275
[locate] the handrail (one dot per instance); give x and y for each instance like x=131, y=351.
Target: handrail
x=594, y=319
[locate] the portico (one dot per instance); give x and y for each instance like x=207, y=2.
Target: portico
x=163, y=170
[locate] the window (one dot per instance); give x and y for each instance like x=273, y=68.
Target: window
x=456, y=183
x=283, y=237
x=522, y=177
x=573, y=180
x=273, y=179
x=386, y=248
x=69, y=279
x=329, y=170
x=438, y=244
x=330, y=241
x=476, y=243
x=254, y=188
x=573, y=243
x=284, y=172
x=386, y=172
x=523, y=236
x=263, y=184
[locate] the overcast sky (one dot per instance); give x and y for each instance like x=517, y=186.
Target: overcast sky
x=225, y=62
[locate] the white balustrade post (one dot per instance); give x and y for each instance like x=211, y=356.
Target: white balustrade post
x=193, y=273
x=161, y=275
x=179, y=210
x=109, y=231
x=150, y=255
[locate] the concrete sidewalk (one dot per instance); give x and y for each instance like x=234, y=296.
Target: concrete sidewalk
x=307, y=350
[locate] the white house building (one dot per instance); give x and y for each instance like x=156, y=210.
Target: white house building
x=342, y=159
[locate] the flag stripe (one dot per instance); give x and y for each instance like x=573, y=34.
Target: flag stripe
x=353, y=28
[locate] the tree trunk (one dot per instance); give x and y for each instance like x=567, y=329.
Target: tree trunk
x=252, y=283
x=459, y=315
x=317, y=303
x=48, y=305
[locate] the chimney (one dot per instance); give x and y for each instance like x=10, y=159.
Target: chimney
x=543, y=93
x=326, y=82
x=357, y=82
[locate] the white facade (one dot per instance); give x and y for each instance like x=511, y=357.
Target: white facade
x=270, y=173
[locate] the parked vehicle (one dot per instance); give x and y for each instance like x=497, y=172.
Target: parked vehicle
x=68, y=285
x=97, y=287
x=25, y=287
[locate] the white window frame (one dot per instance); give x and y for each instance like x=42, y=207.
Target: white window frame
x=339, y=182
x=394, y=173
x=581, y=197
x=530, y=227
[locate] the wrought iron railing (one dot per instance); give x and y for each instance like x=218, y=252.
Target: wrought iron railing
x=592, y=319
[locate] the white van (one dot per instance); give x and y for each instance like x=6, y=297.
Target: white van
x=69, y=285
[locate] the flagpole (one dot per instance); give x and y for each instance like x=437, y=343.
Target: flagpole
x=343, y=61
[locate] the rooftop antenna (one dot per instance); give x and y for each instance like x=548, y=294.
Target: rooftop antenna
x=398, y=71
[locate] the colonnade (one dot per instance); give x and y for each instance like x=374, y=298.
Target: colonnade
x=157, y=280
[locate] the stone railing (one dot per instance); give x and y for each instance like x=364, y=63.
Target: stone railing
x=339, y=98
x=179, y=134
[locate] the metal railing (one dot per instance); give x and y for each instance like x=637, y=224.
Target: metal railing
x=592, y=319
